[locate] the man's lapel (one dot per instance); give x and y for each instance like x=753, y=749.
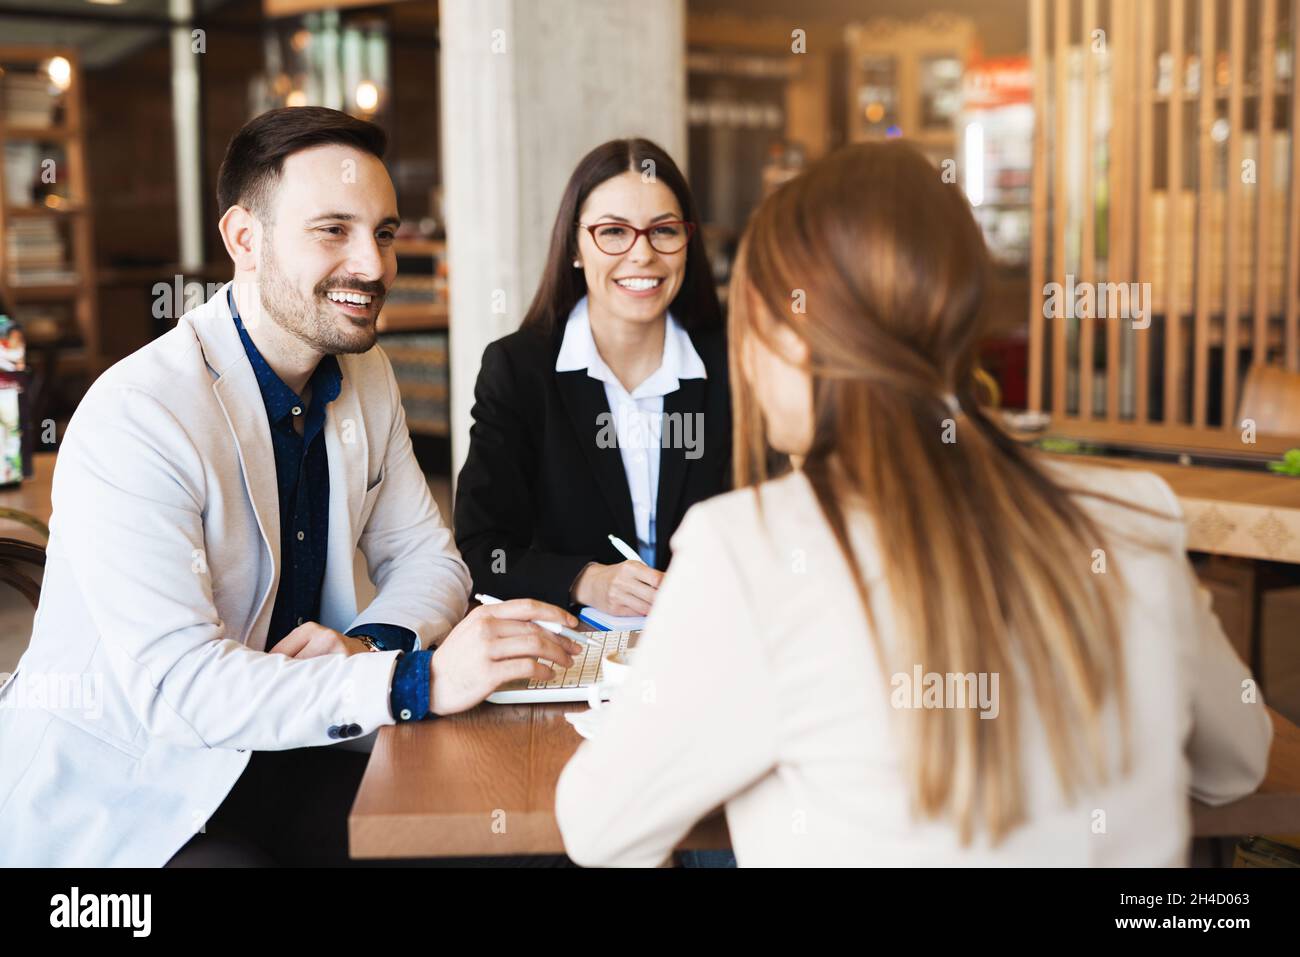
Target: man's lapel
x=348, y=450
x=241, y=400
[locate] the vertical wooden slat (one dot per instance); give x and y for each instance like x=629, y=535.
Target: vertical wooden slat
x=1293, y=215
x=1264, y=181
x=1173, y=194
x=1119, y=168
x=1060, y=210
x=1232, y=221
x=1088, y=240
x=1204, y=205
x=1146, y=43
x=1038, y=199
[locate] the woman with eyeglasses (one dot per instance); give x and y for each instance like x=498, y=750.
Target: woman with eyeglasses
x=607, y=412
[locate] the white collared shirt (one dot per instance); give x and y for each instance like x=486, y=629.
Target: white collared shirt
x=637, y=415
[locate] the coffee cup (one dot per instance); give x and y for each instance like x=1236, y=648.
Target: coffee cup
x=614, y=669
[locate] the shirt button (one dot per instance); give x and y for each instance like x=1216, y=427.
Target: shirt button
x=301, y=536
x=297, y=410
x=406, y=714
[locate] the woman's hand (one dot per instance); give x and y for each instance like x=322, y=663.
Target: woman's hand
x=627, y=588
x=494, y=645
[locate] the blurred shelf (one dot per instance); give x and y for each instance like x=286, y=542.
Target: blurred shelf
x=47, y=261
x=34, y=212
x=44, y=293
x=412, y=317
x=401, y=353
x=427, y=427
x=42, y=133
x=414, y=389
x=419, y=247
x=165, y=272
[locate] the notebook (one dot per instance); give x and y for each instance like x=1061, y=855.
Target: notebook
x=607, y=622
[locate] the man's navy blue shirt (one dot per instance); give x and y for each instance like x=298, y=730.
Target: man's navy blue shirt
x=303, y=482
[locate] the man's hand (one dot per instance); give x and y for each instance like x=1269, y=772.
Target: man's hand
x=311, y=639
x=628, y=588
x=493, y=645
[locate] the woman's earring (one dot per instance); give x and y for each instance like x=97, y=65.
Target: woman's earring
x=576, y=264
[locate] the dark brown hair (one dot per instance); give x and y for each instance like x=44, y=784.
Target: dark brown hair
x=696, y=304
x=256, y=153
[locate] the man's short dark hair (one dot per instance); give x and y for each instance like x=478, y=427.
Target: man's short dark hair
x=256, y=154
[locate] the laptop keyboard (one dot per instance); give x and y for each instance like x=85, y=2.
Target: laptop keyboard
x=585, y=670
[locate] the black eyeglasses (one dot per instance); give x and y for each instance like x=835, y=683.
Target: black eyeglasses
x=613, y=239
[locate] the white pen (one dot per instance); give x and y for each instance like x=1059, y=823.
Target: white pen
x=625, y=549
x=551, y=626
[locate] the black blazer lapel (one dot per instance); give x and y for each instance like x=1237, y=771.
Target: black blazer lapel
x=680, y=423
x=584, y=401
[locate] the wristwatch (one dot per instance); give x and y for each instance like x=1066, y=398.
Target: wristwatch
x=370, y=643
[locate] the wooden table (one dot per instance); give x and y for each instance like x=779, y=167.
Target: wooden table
x=480, y=783
x=1233, y=512
x=483, y=784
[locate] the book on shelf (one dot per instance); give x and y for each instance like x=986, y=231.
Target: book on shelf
x=36, y=253
x=420, y=366
x=28, y=101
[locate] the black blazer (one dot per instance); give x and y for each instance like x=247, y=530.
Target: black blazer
x=537, y=495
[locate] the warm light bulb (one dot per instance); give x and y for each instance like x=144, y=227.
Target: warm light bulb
x=367, y=96
x=296, y=98
x=60, y=72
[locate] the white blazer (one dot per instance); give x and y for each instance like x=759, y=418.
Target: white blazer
x=146, y=683
x=756, y=687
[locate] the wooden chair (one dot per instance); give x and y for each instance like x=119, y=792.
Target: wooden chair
x=1271, y=397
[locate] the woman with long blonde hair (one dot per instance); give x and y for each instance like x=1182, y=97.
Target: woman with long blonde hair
x=921, y=644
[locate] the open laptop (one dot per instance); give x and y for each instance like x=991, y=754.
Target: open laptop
x=575, y=683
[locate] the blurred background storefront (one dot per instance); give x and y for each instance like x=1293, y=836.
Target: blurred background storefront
x=135, y=100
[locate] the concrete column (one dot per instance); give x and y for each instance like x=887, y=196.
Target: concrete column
x=185, y=122
x=527, y=89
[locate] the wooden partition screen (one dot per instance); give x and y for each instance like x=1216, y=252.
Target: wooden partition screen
x=1166, y=219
